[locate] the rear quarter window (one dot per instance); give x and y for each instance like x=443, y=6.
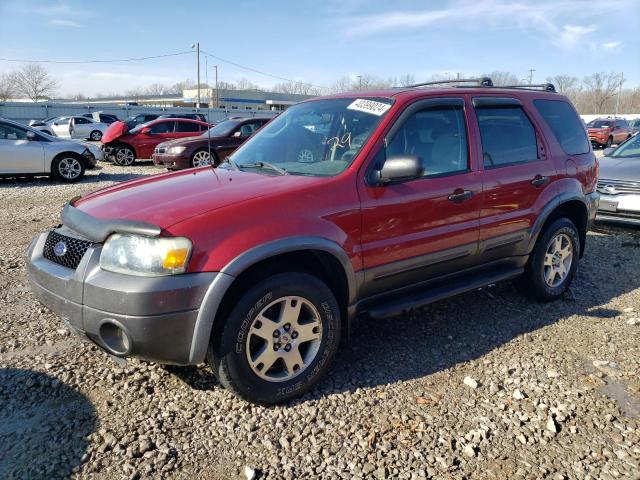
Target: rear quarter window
x=565, y=125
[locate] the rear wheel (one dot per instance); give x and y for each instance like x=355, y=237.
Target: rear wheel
x=609, y=142
x=96, y=135
x=124, y=156
x=278, y=340
x=68, y=168
x=553, y=262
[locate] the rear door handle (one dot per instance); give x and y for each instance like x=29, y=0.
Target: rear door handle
x=539, y=181
x=460, y=195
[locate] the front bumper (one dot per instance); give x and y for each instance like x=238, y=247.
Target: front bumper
x=172, y=162
x=152, y=318
x=620, y=208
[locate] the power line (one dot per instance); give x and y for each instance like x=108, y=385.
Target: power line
x=135, y=59
x=277, y=77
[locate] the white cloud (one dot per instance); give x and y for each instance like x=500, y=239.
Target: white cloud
x=571, y=36
x=611, y=45
x=58, y=22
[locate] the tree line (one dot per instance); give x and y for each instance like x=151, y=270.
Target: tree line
x=598, y=93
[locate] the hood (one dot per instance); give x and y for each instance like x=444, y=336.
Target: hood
x=628, y=169
x=170, y=198
x=114, y=131
x=188, y=141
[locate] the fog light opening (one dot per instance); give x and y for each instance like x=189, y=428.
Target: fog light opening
x=115, y=338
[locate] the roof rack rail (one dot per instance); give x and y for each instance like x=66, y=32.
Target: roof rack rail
x=547, y=87
x=483, y=81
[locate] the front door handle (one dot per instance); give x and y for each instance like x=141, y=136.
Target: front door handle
x=460, y=195
x=539, y=181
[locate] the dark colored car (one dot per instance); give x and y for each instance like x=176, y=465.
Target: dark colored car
x=141, y=118
x=619, y=183
x=605, y=132
x=361, y=204
x=224, y=138
x=124, y=145
x=102, y=117
x=634, y=125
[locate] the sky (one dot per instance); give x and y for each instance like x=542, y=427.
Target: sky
x=318, y=41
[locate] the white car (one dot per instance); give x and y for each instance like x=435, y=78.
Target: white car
x=79, y=127
x=26, y=151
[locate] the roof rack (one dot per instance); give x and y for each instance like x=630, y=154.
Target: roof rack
x=483, y=81
x=547, y=87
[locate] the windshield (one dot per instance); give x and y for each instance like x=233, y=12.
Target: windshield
x=630, y=148
x=599, y=124
x=222, y=129
x=318, y=138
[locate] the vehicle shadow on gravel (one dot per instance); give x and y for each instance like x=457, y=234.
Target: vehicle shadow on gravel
x=44, y=425
x=469, y=326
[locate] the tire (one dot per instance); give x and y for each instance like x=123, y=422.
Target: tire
x=609, y=142
x=200, y=156
x=68, y=168
x=539, y=280
x=95, y=136
x=124, y=156
x=238, y=345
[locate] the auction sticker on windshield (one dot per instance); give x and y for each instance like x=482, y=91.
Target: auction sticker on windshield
x=369, y=106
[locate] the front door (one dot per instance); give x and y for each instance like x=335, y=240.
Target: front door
x=18, y=154
x=426, y=227
x=158, y=133
x=517, y=177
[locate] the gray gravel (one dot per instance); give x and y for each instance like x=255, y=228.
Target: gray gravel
x=484, y=385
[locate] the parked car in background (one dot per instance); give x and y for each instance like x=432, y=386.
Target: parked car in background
x=605, y=132
x=78, y=127
x=141, y=118
x=41, y=123
x=221, y=140
x=190, y=116
x=634, y=125
x=124, y=145
x=619, y=183
x=102, y=117
x=46, y=126
x=360, y=204
x=26, y=151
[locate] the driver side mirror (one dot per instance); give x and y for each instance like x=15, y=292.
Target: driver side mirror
x=146, y=131
x=31, y=136
x=399, y=168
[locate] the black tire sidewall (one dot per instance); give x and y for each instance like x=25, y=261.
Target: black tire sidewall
x=536, y=269
x=56, y=172
x=99, y=135
x=229, y=357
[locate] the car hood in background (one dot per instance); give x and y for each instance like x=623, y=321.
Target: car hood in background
x=613, y=168
x=114, y=131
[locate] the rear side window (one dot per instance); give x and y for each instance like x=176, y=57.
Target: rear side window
x=565, y=125
x=187, y=127
x=508, y=137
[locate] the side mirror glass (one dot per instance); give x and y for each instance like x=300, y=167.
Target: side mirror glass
x=32, y=136
x=608, y=151
x=146, y=131
x=400, y=168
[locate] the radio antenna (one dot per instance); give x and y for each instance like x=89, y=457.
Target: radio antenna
x=206, y=76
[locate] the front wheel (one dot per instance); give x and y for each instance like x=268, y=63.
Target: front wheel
x=609, y=142
x=68, y=168
x=124, y=156
x=201, y=158
x=553, y=262
x=278, y=339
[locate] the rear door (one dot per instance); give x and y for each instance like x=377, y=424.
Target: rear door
x=61, y=127
x=79, y=127
x=186, y=129
x=426, y=227
x=516, y=173
x=18, y=154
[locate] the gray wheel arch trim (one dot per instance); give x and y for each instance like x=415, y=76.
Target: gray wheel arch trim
x=218, y=288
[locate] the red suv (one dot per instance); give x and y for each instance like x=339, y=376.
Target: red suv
x=365, y=203
x=123, y=146
x=604, y=132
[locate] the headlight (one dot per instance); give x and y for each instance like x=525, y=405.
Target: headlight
x=145, y=256
x=176, y=150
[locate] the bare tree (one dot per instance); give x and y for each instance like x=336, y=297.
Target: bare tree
x=245, y=84
x=406, y=80
x=296, y=88
x=601, y=89
x=158, y=89
x=501, y=79
x=178, y=87
x=343, y=84
x=7, y=86
x=34, y=82
x=222, y=85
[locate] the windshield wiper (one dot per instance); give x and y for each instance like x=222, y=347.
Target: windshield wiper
x=261, y=164
x=231, y=162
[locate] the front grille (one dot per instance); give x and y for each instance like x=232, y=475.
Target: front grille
x=614, y=187
x=68, y=256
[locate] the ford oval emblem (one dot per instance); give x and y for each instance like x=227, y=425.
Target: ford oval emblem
x=60, y=249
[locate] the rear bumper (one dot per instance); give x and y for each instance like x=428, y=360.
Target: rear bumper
x=172, y=162
x=152, y=318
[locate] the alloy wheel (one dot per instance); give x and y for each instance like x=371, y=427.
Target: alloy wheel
x=125, y=156
x=284, y=339
x=201, y=159
x=69, y=168
x=96, y=136
x=558, y=260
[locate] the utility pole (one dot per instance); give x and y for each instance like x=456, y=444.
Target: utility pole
x=197, y=47
x=360, y=82
x=531, y=70
x=217, y=97
x=619, y=92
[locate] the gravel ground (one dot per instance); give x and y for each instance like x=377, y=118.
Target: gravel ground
x=484, y=385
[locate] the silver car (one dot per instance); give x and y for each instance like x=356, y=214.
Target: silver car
x=619, y=183
x=79, y=127
x=26, y=151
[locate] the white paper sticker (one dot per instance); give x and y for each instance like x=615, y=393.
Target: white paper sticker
x=369, y=106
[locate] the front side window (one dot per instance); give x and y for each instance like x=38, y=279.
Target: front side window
x=182, y=127
x=81, y=120
x=600, y=124
x=317, y=138
x=437, y=136
x=9, y=132
x=630, y=148
x=162, y=127
x=508, y=137
x=565, y=125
